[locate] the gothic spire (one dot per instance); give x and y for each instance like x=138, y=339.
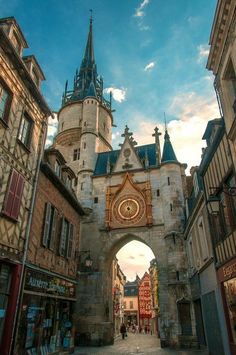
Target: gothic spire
x=168, y=154
x=87, y=83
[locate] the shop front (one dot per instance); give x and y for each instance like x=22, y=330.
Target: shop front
x=227, y=278
x=47, y=311
x=9, y=288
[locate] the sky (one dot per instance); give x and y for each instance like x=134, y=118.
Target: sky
x=151, y=53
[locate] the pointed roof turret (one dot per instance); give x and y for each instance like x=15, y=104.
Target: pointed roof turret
x=86, y=80
x=168, y=151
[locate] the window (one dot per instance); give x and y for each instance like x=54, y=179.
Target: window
x=202, y=237
x=171, y=207
x=66, y=239
x=82, y=186
x=35, y=77
x=57, y=168
x=16, y=42
x=131, y=304
x=230, y=77
x=84, y=124
x=76, y=154
x=95, y=199
x=25, y=131
x=50, y=225
x=177, y=275
x=68, y=182
x=5, y=101
x=84, y=145
x=168, y=180
x=83, y=163
x=158, y=192
x=14, y=192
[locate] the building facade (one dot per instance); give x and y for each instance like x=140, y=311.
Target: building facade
x=144, y=303
x=23, y=126
x=133, y=193
x=46, y=319
x=206, y=299
x=119, y=280
x=131, y=304
x=153, y=272
x=218, y=179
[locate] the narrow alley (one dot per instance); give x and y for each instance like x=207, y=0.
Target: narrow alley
x=141, y=344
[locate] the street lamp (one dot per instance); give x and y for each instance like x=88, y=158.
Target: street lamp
x=85, y=261
x=213, y=205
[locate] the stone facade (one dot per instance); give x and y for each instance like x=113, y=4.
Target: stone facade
x=130, y=194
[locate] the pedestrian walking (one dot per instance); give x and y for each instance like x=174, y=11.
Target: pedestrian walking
x=123, y=330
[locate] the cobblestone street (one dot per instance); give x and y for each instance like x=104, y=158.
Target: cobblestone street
x=141, y=344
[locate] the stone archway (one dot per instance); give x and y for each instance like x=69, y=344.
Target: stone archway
x=94, y=306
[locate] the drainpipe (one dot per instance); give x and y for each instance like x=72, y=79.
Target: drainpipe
x=43, y=135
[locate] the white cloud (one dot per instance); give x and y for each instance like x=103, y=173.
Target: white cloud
x=130, y=260
x=203, y=52
x=52, y=128
x=118, y=94
x=149, y=66
x=139, y=11
x=193, y=112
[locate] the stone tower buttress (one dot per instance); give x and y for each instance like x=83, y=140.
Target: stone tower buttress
x=85, y=122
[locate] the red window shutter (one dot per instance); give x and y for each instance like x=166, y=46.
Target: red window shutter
x=46, y=224
x=10, y=193
x=18, y=194
x=13, y=196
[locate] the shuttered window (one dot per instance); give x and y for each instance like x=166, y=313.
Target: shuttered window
x=5, y=101
x=50, y=226
x=66, y=239
x=70, y=241
x=25, y=131
x=13, y=197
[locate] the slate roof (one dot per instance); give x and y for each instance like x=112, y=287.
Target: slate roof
x=131, y=289
x=168, y=151
x=142, y=151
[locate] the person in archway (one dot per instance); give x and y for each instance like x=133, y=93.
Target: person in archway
x=123, y=330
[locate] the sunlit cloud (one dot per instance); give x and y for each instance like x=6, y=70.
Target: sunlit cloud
x=52, y=129
x=132, y=266
x=117, y=94
x=192, y=111
x=203, y=52
x=149, y=66
x=139, y=12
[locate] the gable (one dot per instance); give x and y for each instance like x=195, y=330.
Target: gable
x=128, y=158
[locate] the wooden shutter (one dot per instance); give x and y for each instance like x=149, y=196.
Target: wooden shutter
x=17, y=200
x=46, y=223
x=13, y=195
x=70, y=241
x=10, y=193
x=53, y=229
x=62, y=246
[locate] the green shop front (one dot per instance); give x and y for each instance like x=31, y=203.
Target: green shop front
x=47, y=311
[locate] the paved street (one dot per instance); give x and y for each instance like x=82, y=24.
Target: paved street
x=141, y=344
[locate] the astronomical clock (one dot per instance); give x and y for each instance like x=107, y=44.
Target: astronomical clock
x=128, y=205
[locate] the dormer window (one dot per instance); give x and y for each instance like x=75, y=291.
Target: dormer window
x=16, y=42
x=68, y=182
x=35, y=77
x=57, y=168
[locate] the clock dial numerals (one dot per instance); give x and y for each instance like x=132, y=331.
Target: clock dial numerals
x=128, y=210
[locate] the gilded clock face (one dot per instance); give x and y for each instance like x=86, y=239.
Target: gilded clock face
x=129, y=209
